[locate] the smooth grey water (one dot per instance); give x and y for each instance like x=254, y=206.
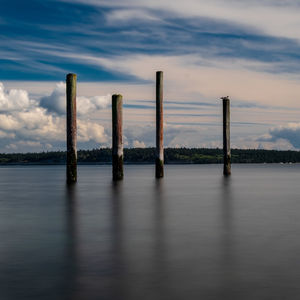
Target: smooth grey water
x=192, y=235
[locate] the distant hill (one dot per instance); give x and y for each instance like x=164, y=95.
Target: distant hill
x=146, y=155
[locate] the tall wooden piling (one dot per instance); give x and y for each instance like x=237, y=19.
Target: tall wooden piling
x=226, y=136
x=159, y=159
x=117, y=137
x=71, y=128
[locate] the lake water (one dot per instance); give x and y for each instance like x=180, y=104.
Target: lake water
x=191, y=235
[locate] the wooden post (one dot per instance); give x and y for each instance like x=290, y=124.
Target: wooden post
x=159, y=159
x=117, y=139
x=226, y=136
x=71, y=128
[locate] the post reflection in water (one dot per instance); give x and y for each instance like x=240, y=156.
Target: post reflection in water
x=126, y=271
x=71, y=252
x=191, y=235
x=228, y=260
x=130, y=276
x=119, y=278
x=159, y=250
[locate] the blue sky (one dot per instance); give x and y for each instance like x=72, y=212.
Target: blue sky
x=249, y=50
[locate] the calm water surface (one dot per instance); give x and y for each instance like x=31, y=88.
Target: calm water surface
x=192, y=235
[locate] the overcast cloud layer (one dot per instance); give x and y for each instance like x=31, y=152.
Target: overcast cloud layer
x=248, y=50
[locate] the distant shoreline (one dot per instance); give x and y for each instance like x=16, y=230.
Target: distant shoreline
x=140, y=164
x=146, y=156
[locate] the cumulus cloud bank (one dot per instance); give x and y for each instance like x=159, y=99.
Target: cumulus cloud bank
x=13, y=99
x=28, y=124
x=31, y=125
x=56, y=102
x=289, y=133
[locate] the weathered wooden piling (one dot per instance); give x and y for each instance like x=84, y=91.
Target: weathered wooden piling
x=226, y=136
x=159, y=159
x=71, y=128
x=117, y=137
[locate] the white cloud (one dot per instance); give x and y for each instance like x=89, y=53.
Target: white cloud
x=13, y=100
x=289, y=133
x=194, y=75
x=8, y=122
x=87, y=131
x=56, y=102
x=28, y=146
x=277, y=18
x=174, y=136
x=190, y=76
x=34, y=128
x=11, y=147
x=129, y=15
x=27, y=126
x=138, y=144
x=91, y=104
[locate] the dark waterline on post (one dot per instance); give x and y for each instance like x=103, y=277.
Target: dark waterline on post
x=159, y=159
x=117, y=139
x=226, y=136
x=71, y=128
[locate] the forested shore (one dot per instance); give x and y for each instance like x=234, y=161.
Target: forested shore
x=147, y=155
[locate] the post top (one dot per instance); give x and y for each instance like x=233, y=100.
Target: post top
x=225, y=98
x=71, y=75
x=117, y=98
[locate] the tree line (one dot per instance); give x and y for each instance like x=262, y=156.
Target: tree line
x=147, y=155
